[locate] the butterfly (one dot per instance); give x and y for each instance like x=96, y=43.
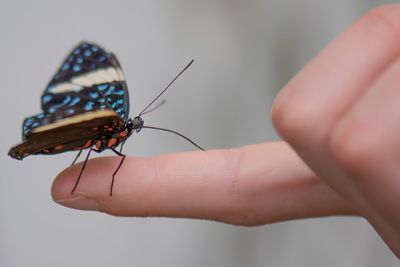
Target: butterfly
x=84, y=106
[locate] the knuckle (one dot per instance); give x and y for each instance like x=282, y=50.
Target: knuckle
x=385, y=20
x=353, y=145
x=294, y=118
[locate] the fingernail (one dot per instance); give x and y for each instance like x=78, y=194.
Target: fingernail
x=80, y=203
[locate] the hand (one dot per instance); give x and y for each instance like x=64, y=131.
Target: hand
x=341, y=114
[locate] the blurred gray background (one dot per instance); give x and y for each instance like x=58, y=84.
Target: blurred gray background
x=244, y=52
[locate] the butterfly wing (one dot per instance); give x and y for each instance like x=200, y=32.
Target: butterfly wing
x=87, y=66
x=70, y=104
x=89, y=78
x=88, y=84
x=71, y=133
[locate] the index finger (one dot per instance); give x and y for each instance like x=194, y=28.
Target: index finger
x=250, y=185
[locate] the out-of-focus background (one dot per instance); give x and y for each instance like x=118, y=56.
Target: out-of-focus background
x=244, y=51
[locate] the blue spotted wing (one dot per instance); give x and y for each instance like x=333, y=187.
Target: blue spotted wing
x=89, y=80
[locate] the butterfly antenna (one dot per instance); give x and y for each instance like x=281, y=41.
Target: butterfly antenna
x=163, y=91
x=174, y=132
x=156, y=107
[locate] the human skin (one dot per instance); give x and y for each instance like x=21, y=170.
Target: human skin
x=339, y=117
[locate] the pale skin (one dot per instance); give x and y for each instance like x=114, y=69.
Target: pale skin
x=340, y=119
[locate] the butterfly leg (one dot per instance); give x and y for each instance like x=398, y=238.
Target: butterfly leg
x=80, y=174
x=122, y=146
x=116, y=171
x=77, y=156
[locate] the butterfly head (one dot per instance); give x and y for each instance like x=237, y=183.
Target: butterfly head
x=135, y=124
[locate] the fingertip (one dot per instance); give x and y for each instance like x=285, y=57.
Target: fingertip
x=91, y=187
x=61, y=187
x=61, y=191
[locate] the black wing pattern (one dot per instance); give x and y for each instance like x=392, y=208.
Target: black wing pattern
x=89, y=79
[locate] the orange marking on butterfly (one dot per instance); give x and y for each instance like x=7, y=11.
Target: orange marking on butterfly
x=95, y=128
x=106, y=126
x=46, y=150
x=86, y=145
x=59, y=147
x=123, y=134
x=112, y=142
